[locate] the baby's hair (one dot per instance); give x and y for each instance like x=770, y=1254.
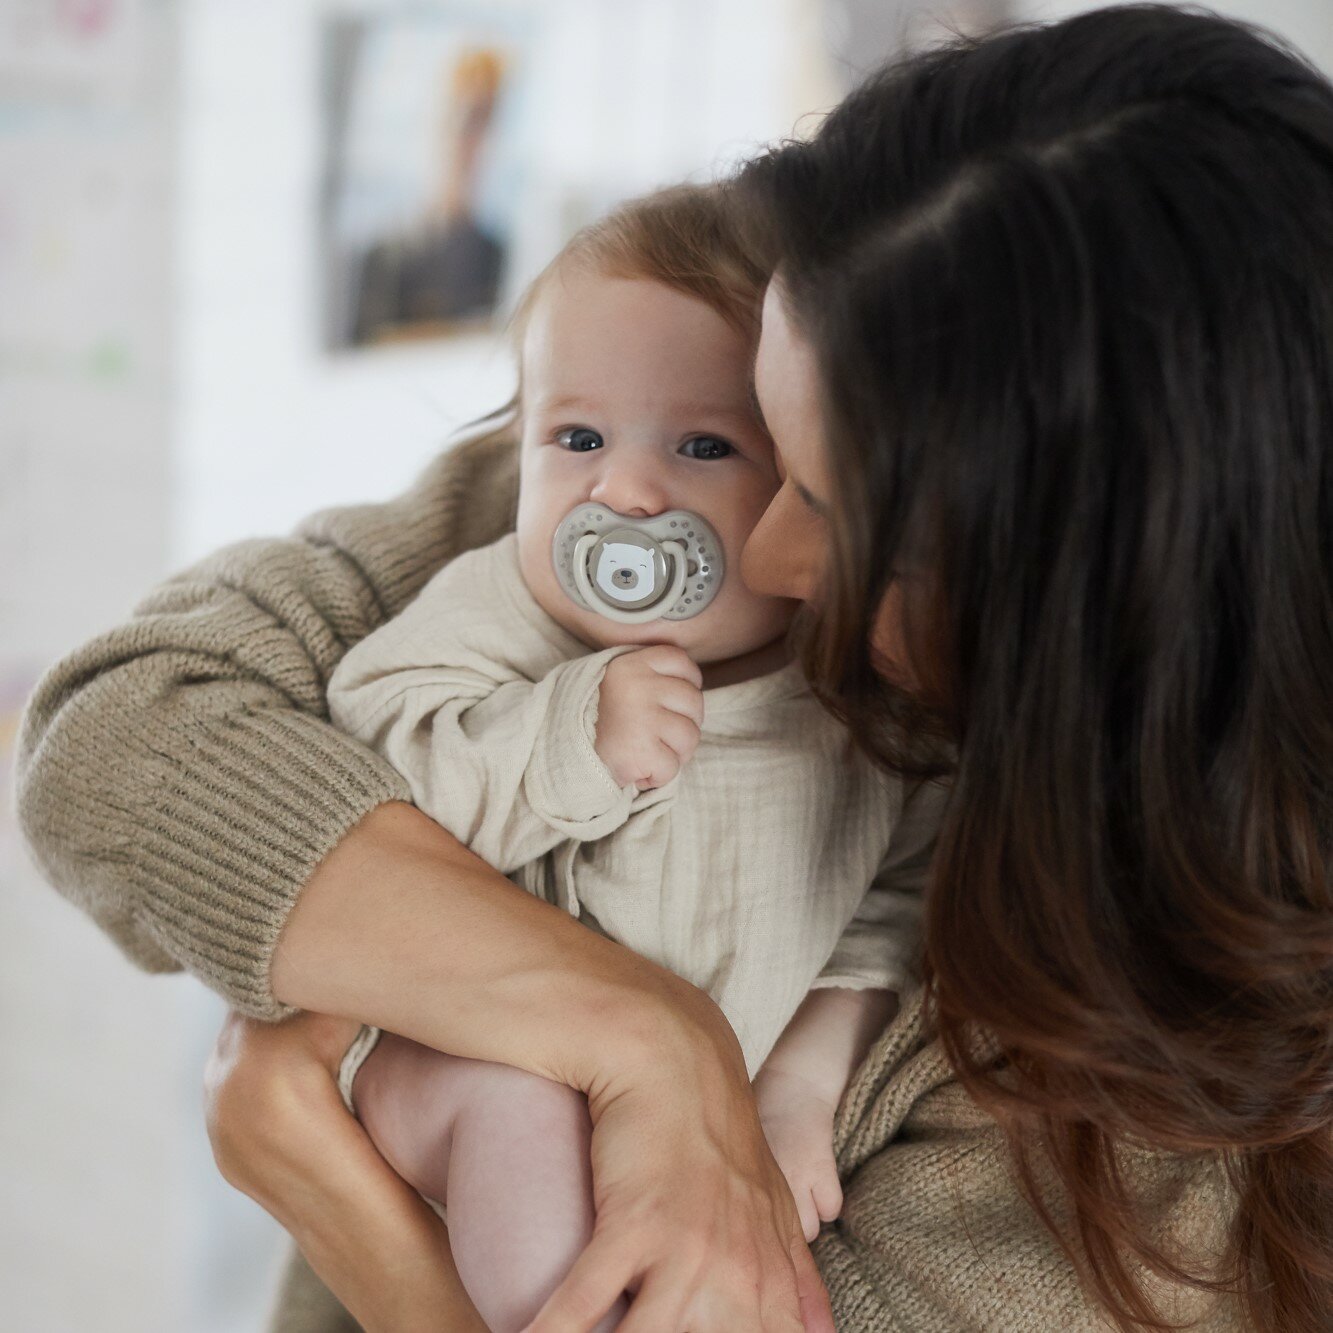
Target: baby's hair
x=687, y=237
x=692, y=238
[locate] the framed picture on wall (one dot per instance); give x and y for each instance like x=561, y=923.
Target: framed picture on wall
x=423, y=138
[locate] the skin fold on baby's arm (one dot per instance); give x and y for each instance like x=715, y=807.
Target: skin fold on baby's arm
x=801, y=1083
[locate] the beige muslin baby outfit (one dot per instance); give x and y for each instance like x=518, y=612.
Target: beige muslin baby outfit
x=778, y=860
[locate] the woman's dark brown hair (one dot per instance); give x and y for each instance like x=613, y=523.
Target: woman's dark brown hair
x=1071, y=293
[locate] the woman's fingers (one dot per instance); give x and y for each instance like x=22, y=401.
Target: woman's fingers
x=671, y=1300
x=281, y=1134
x=794, y=1296
x=816, y=1315
x=693, y=1212
x=590, y=1288
x=809, y=1215
x=659, y=1304
x=768, y=1304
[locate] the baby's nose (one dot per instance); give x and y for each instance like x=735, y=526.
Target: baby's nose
x=632, y=489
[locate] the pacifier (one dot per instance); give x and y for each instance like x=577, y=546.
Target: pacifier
x=638, y=569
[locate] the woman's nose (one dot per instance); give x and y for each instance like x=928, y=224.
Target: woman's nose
x=784, y=554
x=631, y=487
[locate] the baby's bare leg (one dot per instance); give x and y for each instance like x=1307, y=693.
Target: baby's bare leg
x=505, y=1151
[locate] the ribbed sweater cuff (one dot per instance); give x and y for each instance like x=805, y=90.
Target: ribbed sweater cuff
x=267, y=796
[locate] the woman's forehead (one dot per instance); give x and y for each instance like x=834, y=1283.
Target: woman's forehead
x=786, y=390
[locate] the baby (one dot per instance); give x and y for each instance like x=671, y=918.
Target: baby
x=598, y=706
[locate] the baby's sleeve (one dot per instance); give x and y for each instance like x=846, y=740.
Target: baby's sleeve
x=881, y=946
x=505, y=764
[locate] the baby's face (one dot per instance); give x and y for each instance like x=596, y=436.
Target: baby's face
x=636, y=396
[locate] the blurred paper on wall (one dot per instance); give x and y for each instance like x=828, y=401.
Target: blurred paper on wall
x=423, y=123
x=98, y=1104
x=85, y=180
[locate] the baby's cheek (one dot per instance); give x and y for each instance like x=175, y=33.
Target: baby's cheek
x=745, y=619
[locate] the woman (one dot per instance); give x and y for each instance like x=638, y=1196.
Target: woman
x=1046, y=357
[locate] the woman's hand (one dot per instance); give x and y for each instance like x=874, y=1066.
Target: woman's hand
x=281, y=1134
x=694, y=1217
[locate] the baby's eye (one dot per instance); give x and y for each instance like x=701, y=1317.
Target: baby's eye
x=579, y=439
x=706, y=446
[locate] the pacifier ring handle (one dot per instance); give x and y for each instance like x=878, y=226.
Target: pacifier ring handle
x=596, y=602
x=634, y=570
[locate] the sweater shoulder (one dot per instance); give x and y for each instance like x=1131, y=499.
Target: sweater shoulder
x=466, y=497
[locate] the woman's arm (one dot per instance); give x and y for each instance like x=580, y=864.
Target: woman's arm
x=693, y=1213
x=403, y=927
x=177, y=776
x=280, y=1134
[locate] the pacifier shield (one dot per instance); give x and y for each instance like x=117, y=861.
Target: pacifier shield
x=635, y=570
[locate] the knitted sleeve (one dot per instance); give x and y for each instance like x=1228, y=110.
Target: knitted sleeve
x=178, y=778
x=935, y=1233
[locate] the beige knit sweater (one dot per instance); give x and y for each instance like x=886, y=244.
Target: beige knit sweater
x=179, y=780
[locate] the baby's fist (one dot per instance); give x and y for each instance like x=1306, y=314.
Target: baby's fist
x=649, y=713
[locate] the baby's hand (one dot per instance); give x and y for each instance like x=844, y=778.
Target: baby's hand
x=649, y=714
x=798, y=1124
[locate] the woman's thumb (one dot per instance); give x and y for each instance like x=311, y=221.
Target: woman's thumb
x=815, y=1312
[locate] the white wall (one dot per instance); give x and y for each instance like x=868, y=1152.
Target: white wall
x=1307, y=23
x=99, y=1117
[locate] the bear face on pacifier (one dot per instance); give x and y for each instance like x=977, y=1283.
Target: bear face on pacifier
x=634, y=570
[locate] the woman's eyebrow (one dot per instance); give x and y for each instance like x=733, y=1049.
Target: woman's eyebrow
x=809, y=499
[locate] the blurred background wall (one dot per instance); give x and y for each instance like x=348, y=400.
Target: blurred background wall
x=168, y=383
